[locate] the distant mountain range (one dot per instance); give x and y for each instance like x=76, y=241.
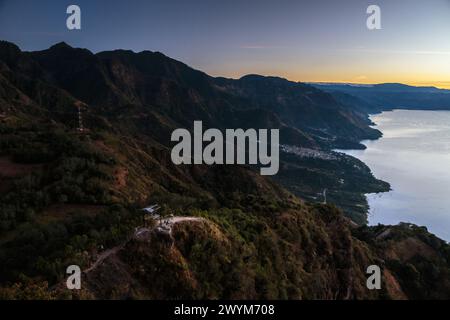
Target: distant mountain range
x=387, y=96
x=69, y=197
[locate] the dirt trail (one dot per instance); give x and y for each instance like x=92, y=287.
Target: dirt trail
x=166, y=225
x=163, y=226
x=105, y=254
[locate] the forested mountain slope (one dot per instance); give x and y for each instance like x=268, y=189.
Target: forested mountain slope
x=67, y=197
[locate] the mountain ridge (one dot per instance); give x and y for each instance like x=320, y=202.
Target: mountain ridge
x=67, y=196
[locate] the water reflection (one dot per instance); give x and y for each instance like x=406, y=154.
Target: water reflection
x=414, y=157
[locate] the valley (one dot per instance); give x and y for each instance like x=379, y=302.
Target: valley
x=242, y=235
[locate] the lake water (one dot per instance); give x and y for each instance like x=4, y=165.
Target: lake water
x=414, y=157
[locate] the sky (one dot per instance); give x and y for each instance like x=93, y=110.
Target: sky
x=310, y=41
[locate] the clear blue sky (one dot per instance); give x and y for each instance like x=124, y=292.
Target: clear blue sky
x=301, y=40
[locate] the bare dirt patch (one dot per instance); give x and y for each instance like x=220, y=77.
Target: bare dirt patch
x=10, y=169
x=393, y=287
x=121, y=175
x=60, y=212
x=408, y=248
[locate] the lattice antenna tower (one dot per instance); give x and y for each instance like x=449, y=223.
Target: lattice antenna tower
x=80, y=120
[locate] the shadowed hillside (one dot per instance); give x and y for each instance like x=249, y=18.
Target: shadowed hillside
x=69, y=196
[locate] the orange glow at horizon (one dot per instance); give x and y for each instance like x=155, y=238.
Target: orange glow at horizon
x=411, y=67
x=418, y=82
x=437, y=79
